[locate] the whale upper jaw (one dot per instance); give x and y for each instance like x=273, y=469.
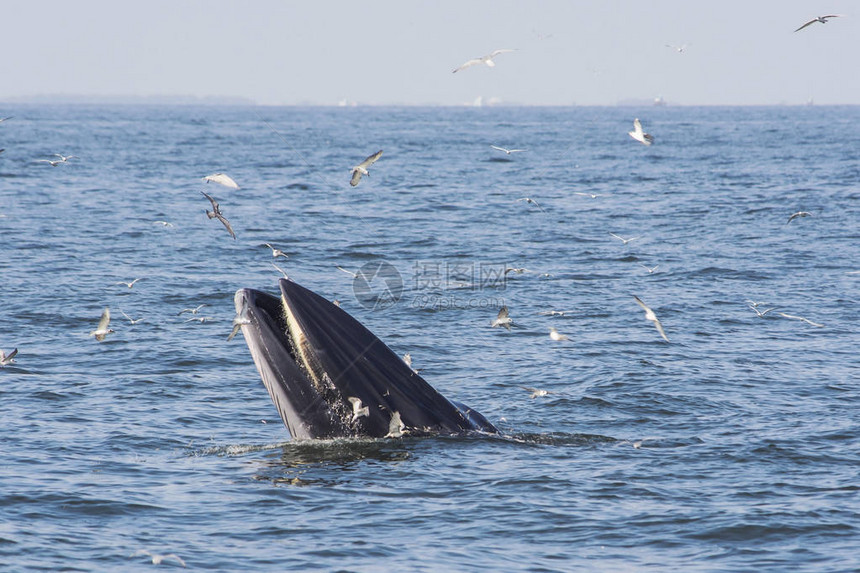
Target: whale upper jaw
x=313, y=357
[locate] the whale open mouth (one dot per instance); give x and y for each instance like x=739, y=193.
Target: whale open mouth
x=329, y=376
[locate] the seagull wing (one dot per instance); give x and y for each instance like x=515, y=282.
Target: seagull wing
x=660, y=329
x=468, y=64
x=104, y=321
x=356, y=177
x=226, y=223
x=495, y=53
x=371, y=159
x=500, y=148
x=637, y=126
x=503, y=313
x=215, y=206
x=813, y=21
x=223, y=179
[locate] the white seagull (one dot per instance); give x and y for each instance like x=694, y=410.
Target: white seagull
x=531, y=201
x=678, y=49
x=7, y=359
x=361, y=168
x=53, y=162
x=191, y=310
x=798, y=214
x=396, y=427
x=503, y=319
x=277, y=252
x=806, y=320
x=221, y=178
x=131, y=284
x=157, y=558
x=639, y=135
x=649, y=315
x=358, y=410
x=761, y=313
x=623, y=240
x=649, y=269
x=535, y=392
x=507, y=151
x=592, y=195
x=822, y=19
x=130, y=319
x=556, y=335
x=103, y=329
x=488, y=59
x=65, y=158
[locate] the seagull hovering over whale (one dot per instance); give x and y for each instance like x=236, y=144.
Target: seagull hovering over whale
x=822, y=19
x=639, y=135
x=215, y=213
x=277, y=252
x=361, y=168
x=649, y=315
x=488, y=60
x=221, y=178
x=358, y=410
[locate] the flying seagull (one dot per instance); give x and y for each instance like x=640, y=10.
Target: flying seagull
x=131, y=284
x=678, y=49
x=592, y=195
x=130, y=319
x=798, y=214
x=157, y=558
x=277, y=252
x=622, y=239
x=191, y=310
x=761, y=313
x=358, y=410
x=649, y=315
x=221, y=178
x=535, y=392
x=503, y=319
x=822, y=19
x=2, y=119
x=238, y=320
x=215, y=213
x=396, y=427
x=508, y=151
x=488, y=59
x=7, y=359
x=361, y=168
x=53, y=162
x=649, y=269
x=532, y=202
x=806, y=320
x=65, y=158
x=639, y=135
x=103, y=329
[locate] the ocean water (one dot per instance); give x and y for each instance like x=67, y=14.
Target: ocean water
x=733, y=447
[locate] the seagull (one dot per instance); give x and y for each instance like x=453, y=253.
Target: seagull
x=361, y=168
x=131, y=284
x=191, y=310
x=649, y=315
x=503, y=319
x=555, y=335
x=215, y=213
x=555, y=312
x=515, y=270
x=508, y=151
x=358, y=410
x=221, y=178
x=639, y=135
x=535, y=392
x=822, y=19
x=238, y=320
x=158, y=558
x=65, y=158
x=678, y=49
x=277, y=252
x=761, y=313
x=396, y=427
x=130, y=319
x=798, y=214
x=407, y=358
x=103, y=329
x=532, y=202
x=53, y=162
x=806, y=320
x=354, y=275
x=2, y=119
x=649, y=269
x=200, y=319
x=7, y=359
x=163, y=223
x=488, y=59
x=623, y=240
x=592, y=195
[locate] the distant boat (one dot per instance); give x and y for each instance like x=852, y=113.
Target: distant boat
x=810, y=101
x=659, y=101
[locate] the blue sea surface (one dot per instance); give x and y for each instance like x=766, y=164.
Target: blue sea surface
x=733, y=447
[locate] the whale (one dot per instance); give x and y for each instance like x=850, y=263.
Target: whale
x=330, y=377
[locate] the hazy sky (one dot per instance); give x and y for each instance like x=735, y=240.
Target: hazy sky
x=403, y=52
